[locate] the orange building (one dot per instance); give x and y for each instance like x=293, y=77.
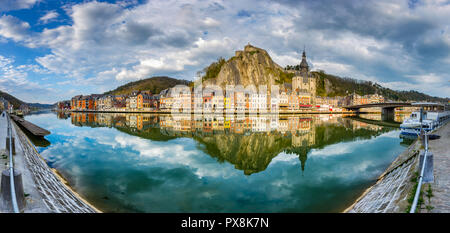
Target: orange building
x=86, y=103
x=74, y=102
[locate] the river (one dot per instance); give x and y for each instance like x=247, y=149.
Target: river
x=159, y=163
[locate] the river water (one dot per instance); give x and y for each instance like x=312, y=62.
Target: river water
x=160, y=163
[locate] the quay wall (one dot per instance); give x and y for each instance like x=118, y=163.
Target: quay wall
x=56, y=194
x=390, y=192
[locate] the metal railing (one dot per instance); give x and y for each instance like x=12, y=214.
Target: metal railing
x=11, y=167
x=422, y=171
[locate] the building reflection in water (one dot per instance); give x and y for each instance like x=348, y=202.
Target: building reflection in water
x=399, y=117
x=248, y=142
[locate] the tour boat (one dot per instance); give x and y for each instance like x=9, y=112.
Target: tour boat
x=431, y=119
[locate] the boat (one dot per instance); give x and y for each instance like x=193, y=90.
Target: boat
x=19, y=113
x=434, y=115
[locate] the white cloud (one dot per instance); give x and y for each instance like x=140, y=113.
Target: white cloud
x=334, y=67
x=210, y=22
x=176, y=61
x=8, y=5
x=431, y=78
x=13, y=28
x=14, y=80
x=49, y=16
x=435, y=89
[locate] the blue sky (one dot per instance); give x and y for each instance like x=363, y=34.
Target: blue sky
x=51, y=50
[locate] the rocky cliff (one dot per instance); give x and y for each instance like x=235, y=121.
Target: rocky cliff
x=252, y=66
x=250, y=153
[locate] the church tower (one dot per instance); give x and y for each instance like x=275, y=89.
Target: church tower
x=303, y=81
x=304, y=67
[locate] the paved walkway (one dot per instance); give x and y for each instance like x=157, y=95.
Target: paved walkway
x=441, y=186
x=34, y=202
x=3, y=130
x=3, y=157
x=44, y=190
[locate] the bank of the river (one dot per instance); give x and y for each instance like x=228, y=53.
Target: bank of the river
x=394, y=189
x=437, y=194
x=46, y=191
x=390, y=192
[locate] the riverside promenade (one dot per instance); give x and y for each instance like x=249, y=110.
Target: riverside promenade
x=392, y=191
x=440, y=188
x=44, y=190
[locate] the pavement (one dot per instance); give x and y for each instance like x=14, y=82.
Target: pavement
x=3, y=157
x=44, y=190
x=440, y=201
x=34, y=202
x=3, y=131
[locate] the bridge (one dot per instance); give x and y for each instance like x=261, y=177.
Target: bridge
x=387, y=109
x=380, y=105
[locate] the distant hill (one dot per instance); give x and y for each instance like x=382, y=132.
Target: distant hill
x=154, y=84
x=41, y=106
x=332, y=85
x=13, y=100
x=17, y=102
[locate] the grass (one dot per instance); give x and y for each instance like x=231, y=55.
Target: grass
x=429, y=192
x=412, y=193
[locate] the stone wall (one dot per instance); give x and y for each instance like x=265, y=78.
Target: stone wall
x=390, y=193
x=57, y=196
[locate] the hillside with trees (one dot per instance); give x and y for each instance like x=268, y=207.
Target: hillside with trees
x=154, y=84
x=332, y=85
x=12, y=100
x=17, y=102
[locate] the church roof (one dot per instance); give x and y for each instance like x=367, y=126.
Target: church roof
x=303, y=63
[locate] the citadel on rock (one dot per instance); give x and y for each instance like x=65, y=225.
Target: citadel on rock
x=258, y=85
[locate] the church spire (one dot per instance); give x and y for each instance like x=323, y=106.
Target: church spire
x=304, y=64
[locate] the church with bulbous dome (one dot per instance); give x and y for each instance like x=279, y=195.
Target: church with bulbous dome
x=303, y=81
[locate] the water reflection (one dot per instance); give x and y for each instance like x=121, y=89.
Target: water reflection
x=398, y=117
x=159, y=163
x=250, y=142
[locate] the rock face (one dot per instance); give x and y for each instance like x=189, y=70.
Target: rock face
x=250, y=153
x=328, y=86
x=253, y=66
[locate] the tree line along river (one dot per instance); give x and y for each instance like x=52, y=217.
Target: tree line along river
x=161, y=163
